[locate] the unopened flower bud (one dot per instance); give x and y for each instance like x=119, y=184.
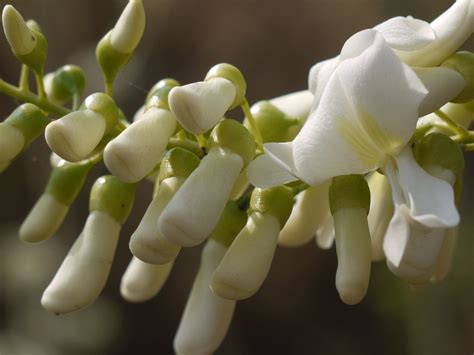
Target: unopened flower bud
x=75, y=135
x=349, y=199
x=246, y=264
x=296, y=104
x=159, y=93
x=463, y=63
x=142, y=281
x=64, y=83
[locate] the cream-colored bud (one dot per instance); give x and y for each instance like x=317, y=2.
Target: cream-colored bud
x=12, y=142
x=74, y=136
x=207, y=317
x=138, y=149
x=142, y=281
x=84, y=272
x=129, y=28
x=296, y=104
x=19, y=36
x=325, y=235
x=200, y=106
x=43, y=220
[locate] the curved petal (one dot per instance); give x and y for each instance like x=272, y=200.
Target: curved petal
x=368, y=110
x=406, y=33
x=296, y=104
x=318, y=77
x=265, y=172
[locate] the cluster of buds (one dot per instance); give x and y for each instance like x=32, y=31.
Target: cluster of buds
x=369, y=158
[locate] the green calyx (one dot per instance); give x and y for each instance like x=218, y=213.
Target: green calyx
x=234, y=136
x=439, y=150
x=276, y=201
x=37, y=57
x=273, y=124
x=230, y=224
x=110, y=60
x=68, y=81
x=463, y=63
x=104, y=105
x=66, y=181
x=112, y=196
x=349, y=191
x=158, y=94
x=231, y=73
x=178, y=162
x=30, y=120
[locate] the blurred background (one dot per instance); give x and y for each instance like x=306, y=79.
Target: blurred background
x=298, y=310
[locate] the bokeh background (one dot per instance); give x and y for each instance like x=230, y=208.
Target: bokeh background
x=297, y=311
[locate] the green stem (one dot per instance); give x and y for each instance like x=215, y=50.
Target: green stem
x=253, y=125
x=76, y=101
x=186, y=144
x=42, y=102
x=202, y=141
x=469, y=147
x=109, y=88
x=458, y=130
x=40, y=85
x=24, y=83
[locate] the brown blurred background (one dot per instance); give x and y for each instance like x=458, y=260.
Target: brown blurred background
x=297, y=311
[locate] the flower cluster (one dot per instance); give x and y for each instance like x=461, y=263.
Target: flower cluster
x=369, y=158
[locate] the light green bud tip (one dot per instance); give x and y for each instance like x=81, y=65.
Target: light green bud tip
x=110, y=60
x=30, y=120
x=112, y=196
x=272, y=123
x=158, y=94
x=33, y=25
x=178, y=162
x=104, y=105
x=233, y=135
x=440, y=150
x=277, y=201
x=231, y=73
x=463, y=63
x=349, y=191
x=66, y=181
x=68, y=81
x=230, y=224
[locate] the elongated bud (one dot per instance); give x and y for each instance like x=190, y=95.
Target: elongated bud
x=116, y=47
x=147, y=243
x=206, y=318
x=85, y=270
x=64, y=83
x=200, y=106
x=64, y=184
x=75, y=136
x=463, y=62
x=274, y=124
x=142, y=281
x=308, y=215
x=28, y=45
x=325, y=235
x=349, y=199
x=21, y=128
x=184, y=221
x=240, y=186
x=246, y=264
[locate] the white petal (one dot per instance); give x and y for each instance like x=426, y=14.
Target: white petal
x=143, y=281
x=443, y=85
x=43, y=220
x=325, y=235
x=18, y=34
x=240, y=186
x=139, y=148
x=147, y=243
x=139, y=114
x=318, y=77
x=265, y=172
x=85, y=270
x=74, y=136
x=296, y=104
x=194, y=211
x=361, y=118
x=247, y=262
x=452, y=29
x=206, y=318
x=308, y=215
x=406, y=33
x=430, y=200
x=200, y=106
x=12, y=142
x=129, y=28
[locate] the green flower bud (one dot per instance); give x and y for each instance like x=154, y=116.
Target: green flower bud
x=105, y=106
x=33, y=25
x=178, y=162
x=349, y=191
x=276, y=201
x=463, y=63
x=273, y=124
x=30, y=120
x=231, y=73
x=28, y=45
x=230, y=224
x=234, y=136
x=67, y=180
x=67, y=81
x=158, y=94
x=112, y=196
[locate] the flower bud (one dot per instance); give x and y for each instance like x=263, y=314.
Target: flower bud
x=246, y=264
x=141, y=281
x=64, y=83
x=240, y=186
x=207, y=317
x=75, y=136
x=325, y=235
x=230, y=224
x=159, y=93
x=349, y=198
x=296, y=104
x=463, y=63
